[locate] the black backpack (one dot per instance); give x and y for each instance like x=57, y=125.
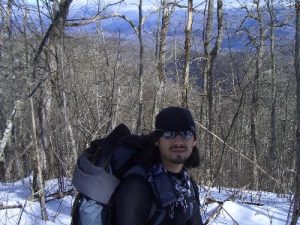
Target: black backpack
x=98, y=173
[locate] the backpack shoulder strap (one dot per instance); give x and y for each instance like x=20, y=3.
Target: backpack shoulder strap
x=196, y=190
x=139, y=170
x=75, y=210
x=156, y=215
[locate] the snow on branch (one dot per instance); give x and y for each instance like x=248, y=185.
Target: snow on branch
x=2, y=206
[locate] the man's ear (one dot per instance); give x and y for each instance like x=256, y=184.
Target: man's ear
x=194, y=144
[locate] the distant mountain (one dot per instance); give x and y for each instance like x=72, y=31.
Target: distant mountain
x=235, y=36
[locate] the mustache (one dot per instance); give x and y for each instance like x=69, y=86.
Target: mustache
x=178, y=146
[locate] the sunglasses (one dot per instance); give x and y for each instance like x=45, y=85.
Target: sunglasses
x=187, y=134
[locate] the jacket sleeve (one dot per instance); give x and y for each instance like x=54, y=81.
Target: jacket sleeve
x=133, y=201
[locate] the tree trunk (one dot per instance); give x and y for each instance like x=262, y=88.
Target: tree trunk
x=44, y=104
x=57, y=45
x=187, y=47
x=37, y=167
x=49, y=38
x=210, y=56
x=253, y=139
x=114, y=106
x=296, y=208
x=115, y=116
x=272, y=149
x=3, y=142
x=43, y=109
x=161, y=63
x=69, y=128
x=260, y=48
x=141, y=70
x=166, y=13
x=7, y=22
x=158, y=35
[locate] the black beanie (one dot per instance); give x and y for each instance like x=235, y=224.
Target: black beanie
x=174, y=119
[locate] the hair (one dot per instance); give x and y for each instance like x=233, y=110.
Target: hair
x=152, y=153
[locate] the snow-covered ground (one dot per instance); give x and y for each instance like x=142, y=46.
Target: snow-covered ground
x=238, y=207
x=247, y=207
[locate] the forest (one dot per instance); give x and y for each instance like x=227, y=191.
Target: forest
x=71, y=71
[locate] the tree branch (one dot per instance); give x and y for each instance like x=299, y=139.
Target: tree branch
x=2, y=206
x=86, y=21
x=245, y=157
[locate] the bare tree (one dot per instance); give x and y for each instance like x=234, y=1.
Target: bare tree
x=296, y=209
x=166, y=9
x=3, y=142
x=6, y=36
x=53, y=34
x=272, y=149
x=141, y=68
x=260, y=50
x=6, y=59
x=138, y=29
x=38, y=184
x=187, y=47
x=210, y=54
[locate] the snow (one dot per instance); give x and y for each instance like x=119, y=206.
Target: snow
x=248, y=207
x=240, y=206
x=19, y=193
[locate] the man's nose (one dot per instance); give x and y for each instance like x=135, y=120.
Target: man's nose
x=178, y=138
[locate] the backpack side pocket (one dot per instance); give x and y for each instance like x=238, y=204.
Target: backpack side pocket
x=90, y=212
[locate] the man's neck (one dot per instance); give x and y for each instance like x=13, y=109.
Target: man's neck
x=172, y=167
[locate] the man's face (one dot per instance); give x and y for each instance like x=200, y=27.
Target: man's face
x=175, y=150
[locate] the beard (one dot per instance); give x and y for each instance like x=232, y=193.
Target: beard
x=178, y=159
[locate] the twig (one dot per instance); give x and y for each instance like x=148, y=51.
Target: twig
x=220, y=206
x=59, y=195
x=57, y=211
x=10, y=206
x=20, y=217
x=212, y=200
x=245, y=157
x=235, y=222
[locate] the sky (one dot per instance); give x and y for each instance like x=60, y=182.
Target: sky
x=248, y=208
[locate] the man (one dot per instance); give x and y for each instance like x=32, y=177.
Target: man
x=167, y=184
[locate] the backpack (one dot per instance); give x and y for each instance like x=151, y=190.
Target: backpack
x=98, y=173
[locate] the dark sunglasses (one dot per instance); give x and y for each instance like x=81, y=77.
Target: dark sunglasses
x=187, y=134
